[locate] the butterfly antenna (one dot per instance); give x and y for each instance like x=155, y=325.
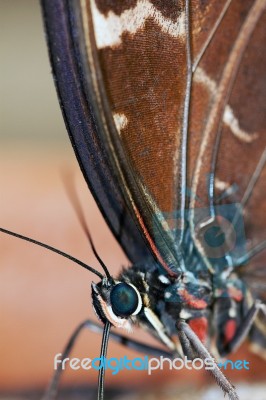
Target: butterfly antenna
x=72, y=195
x=106, y=333
x=46, y=246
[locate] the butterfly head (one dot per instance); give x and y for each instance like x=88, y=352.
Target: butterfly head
x=116, y=302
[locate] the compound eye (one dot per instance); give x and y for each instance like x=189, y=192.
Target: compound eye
x=125, y=300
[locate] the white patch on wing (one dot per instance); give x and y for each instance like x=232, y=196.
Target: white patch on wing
x=229, y=118
x=200, y=76
x=221, y=185
x=121, y=121
x=109, y=29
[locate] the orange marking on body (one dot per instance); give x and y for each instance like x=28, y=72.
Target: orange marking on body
x=235, y=293
x=200, y=327
x=230, y=330
x=191, y=300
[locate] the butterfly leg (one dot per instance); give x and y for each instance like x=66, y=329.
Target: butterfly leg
x=52, y=389
x=194, y=344
x=244, y=328
x=186, y=345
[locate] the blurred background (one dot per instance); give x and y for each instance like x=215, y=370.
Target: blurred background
x=43, y=296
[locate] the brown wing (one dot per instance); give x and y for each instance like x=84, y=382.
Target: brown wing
x=135, y=68
x=137, y=53
x=139, y=60
x=227, y=132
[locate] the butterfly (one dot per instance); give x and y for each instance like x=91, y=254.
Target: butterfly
x=163, y=101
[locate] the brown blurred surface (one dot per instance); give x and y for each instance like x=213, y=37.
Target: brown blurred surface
x=42, y=295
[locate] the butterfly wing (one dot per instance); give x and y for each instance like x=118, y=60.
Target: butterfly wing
x=123, y=108
x=231, y=147
x=232, y=140
x=83, y=130
x=122, y=71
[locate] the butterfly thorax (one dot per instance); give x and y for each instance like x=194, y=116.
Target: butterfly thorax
x=169, y=299
x=211, y=303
